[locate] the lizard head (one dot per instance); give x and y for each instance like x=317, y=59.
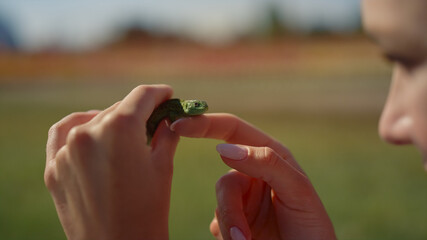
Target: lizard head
x=194, y=107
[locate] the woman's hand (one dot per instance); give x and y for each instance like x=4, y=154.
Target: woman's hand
x=269, y=196
x=105, y=181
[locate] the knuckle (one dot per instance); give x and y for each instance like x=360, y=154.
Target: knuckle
x=61, y=124
x=145, y=89
x=269, y=162
x=50, y=179
x=79, y=137
x=53, y=130
x=62, y=161
x=271, y=158
x=75, y=115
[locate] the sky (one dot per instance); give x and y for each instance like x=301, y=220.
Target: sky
x=82, y=24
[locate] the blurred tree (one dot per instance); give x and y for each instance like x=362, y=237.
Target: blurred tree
x=138, y=34
x=275, y=28
x=7, y=39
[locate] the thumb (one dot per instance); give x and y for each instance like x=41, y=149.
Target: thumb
x=265, y=164
x=163, y=146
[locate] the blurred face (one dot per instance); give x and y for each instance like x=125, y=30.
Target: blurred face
x=400, y=29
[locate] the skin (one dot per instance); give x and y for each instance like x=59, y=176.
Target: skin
x=108, y=184
x=173, y=109
x=243, y=196
x=269, y=196
x=105, y=181
x=403, y=41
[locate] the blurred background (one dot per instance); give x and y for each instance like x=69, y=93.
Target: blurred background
x=302, y=71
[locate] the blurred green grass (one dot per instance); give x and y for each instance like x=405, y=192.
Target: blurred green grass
x=371, y=190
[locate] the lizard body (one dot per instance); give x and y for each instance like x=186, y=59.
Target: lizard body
x=173, y=109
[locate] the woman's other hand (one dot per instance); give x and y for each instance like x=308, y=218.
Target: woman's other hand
x=269, y=196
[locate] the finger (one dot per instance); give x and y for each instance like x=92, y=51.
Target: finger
x=214, y=229
x=254, y=198
x=222, y=126
x=264, y=163
x=163, y=147
x=230, y=190
x=256, y=202
x=105, y=112
x=58, y=132
x=54, y=171
x=142, y=100
x=292, y=194
x=231, y=129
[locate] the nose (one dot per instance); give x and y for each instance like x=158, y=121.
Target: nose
x=395, y=130
x=396, y=122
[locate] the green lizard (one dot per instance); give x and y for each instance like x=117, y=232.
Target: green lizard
x=174, y=109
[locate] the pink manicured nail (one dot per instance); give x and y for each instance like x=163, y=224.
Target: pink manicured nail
x=173, y=125
x=235, y=152
x=236, y=234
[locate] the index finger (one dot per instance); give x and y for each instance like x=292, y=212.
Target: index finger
x=57, y=134
x=229, y=128
x=142, y=100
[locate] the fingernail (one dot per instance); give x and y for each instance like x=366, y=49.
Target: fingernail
x=236, y=234
x=235, y=152
x=173, y=125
